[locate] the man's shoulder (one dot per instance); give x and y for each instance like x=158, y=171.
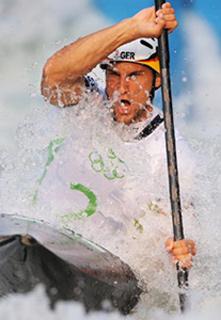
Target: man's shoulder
x=154, y=134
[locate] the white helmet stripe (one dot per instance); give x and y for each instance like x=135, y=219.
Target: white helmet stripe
x=137, y=50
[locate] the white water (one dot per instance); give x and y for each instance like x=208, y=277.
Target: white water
x=30, y=32
x=35, y=134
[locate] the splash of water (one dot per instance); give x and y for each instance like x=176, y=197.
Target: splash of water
x=142, y=245
x=73, y=158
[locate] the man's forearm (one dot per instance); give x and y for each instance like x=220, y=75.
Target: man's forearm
x=80, y=57
x=62, y=81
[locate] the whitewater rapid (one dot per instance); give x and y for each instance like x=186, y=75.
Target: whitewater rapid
x=138, y=240
x=23, y=158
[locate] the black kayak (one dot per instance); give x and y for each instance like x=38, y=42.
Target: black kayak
x=69, y=266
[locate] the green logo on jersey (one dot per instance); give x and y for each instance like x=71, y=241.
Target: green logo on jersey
x=52, y=149
x=92, y=204
x=113, y=168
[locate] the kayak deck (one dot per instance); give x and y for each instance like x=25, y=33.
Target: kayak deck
x=69, y=266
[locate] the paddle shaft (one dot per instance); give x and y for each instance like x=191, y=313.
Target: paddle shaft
x=178, y=230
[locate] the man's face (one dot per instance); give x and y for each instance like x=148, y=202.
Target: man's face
x=128, y=86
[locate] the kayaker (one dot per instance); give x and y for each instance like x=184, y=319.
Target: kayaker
x=127, y=52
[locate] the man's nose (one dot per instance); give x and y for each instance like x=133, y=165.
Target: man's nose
x=123, y=85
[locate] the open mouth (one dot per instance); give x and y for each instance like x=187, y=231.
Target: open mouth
x=123, y=106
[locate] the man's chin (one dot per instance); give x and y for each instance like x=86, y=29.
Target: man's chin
x=125, y=119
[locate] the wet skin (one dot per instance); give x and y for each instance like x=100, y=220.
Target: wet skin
x=128, y=86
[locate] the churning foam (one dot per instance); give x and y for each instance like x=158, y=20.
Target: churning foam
x=20, y=171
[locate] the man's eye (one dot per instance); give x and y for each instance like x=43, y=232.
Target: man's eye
x=133, y=76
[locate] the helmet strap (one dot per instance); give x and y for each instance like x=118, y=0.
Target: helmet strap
x=153, y=89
